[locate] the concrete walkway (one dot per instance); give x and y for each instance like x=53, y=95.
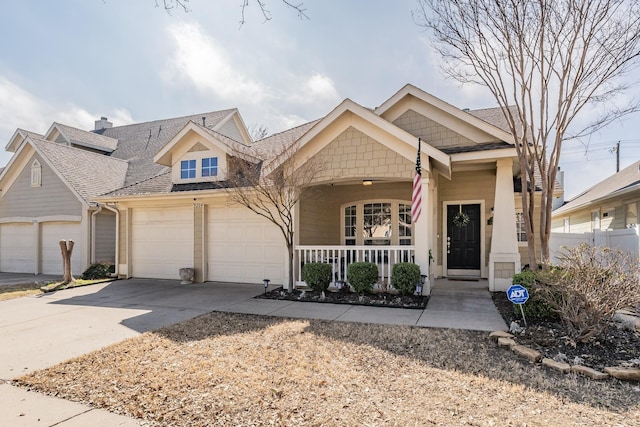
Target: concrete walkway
x=38, y=332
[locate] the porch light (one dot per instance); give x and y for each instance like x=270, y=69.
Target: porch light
x=367, y=182
x=266, y=285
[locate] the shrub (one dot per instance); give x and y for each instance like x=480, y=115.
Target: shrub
x=317, y=275
x=591, y=285
x=362, y=276
x=404, y=277
x=99, y=270
x=536, y=306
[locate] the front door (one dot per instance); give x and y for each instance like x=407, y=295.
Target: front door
x=463, y=240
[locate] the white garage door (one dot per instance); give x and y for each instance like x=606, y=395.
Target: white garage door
x=52, y=233
x=17, y=253
x=162, y=242
x=244, y=247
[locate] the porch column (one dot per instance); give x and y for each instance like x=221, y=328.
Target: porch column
x=504, y=258
x=422, y=230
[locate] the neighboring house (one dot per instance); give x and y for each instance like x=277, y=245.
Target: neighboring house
x=612, y=204
x=163, y=183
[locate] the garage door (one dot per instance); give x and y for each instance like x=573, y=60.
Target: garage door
x=17, y=253
x=52, y=233
x=244, y=247
x=162, y=242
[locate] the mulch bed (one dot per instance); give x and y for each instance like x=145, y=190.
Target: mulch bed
x=381, y=299
x=618, y=347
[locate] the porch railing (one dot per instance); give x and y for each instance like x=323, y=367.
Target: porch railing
x=341, y=256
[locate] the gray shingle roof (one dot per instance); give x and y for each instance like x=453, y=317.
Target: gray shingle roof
x=626, y=179
x=160, y=184
x=90, y=174
x=269, y=147
x=86, y=138
x=138, y=143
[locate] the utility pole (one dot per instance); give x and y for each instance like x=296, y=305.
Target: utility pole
x=618, y=157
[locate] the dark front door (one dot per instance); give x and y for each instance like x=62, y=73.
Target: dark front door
x=463, y=239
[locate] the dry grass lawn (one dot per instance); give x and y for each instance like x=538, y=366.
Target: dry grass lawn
x=244, y=370
x=8, y=292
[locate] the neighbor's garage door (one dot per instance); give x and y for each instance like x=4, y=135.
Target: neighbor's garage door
x=244, y=247
x=52, y=233
x=162, y=242
x=17, y=253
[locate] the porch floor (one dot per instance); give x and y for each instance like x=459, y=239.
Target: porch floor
x=453, y=304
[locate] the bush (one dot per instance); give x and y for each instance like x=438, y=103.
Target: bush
x=536, y=306
x=99, y=270
x=317, y=275
x=591, y=285
x=362, y=276
x=404, y=277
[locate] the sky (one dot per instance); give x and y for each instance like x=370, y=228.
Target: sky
x=73, y=61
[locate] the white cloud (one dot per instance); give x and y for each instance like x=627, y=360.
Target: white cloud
x=20, y=108
x=205, y=63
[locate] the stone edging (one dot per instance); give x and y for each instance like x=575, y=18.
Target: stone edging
x=506, y=340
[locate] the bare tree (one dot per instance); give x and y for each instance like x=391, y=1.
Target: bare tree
x=271, y=182
x=171, y=5
x=545, y=62
x=66, y=248
x=258, y=132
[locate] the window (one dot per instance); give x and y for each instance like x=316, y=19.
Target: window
x=187, y=169
x=521, y=227
x=36, y=174
x=350, y=225
x=377, y=223
x=210, y=166
x=404, y=224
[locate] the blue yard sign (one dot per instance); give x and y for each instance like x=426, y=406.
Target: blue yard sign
x=517, y=294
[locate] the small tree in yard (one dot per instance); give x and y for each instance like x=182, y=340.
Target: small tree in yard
x=66, y=248
x=545, y=62
x=275, y=193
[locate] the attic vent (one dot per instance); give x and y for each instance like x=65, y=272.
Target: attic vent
x=36, y=174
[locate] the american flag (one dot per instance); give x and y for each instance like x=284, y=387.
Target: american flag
x=416, y=199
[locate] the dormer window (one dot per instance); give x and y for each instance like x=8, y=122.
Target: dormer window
x=210, y=166
x=36, y=174
x=187, y=169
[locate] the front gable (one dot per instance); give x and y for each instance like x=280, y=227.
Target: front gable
x=432, y=132
x=22, y=197
x=194, y=155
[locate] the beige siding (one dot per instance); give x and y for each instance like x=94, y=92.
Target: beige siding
x=199, y=236
x=580, y=222
x=321, y=212
x=472, y=185
x=229, y=129
x=432, y=132
x=355, y=155
x=105, y=237
x=52, y=198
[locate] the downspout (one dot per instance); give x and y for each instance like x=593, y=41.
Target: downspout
x=93, y=234
x=117, y=260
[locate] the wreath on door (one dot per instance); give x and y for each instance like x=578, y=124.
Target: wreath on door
x=461, y=219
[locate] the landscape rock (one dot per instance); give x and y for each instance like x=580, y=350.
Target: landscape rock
x=506, y=342
x=589, y=372
x=558, y=366
x=495, y=335
x=515, y=328
x=529, y=353
x=622, y=373
x=627, y=319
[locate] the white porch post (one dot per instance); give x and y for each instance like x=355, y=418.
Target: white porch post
x=422, y=232
x=504, y=258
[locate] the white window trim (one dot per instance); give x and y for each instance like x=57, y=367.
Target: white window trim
x=36, y=174
x=395, y=220
x=198, y=156
x=521, y=243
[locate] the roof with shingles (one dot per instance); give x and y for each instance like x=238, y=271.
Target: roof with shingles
x=86, y=138
x=89, y=174
x=159, y=184
x=627, y=179
x=269, y=147
x=138, y=143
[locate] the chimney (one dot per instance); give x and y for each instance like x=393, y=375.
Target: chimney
x=103, y=123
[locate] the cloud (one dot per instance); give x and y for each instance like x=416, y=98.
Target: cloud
x=20, y=108
x=205, y=63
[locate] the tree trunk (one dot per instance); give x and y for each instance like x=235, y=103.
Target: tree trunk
x=66, y=248
x=290, y=286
